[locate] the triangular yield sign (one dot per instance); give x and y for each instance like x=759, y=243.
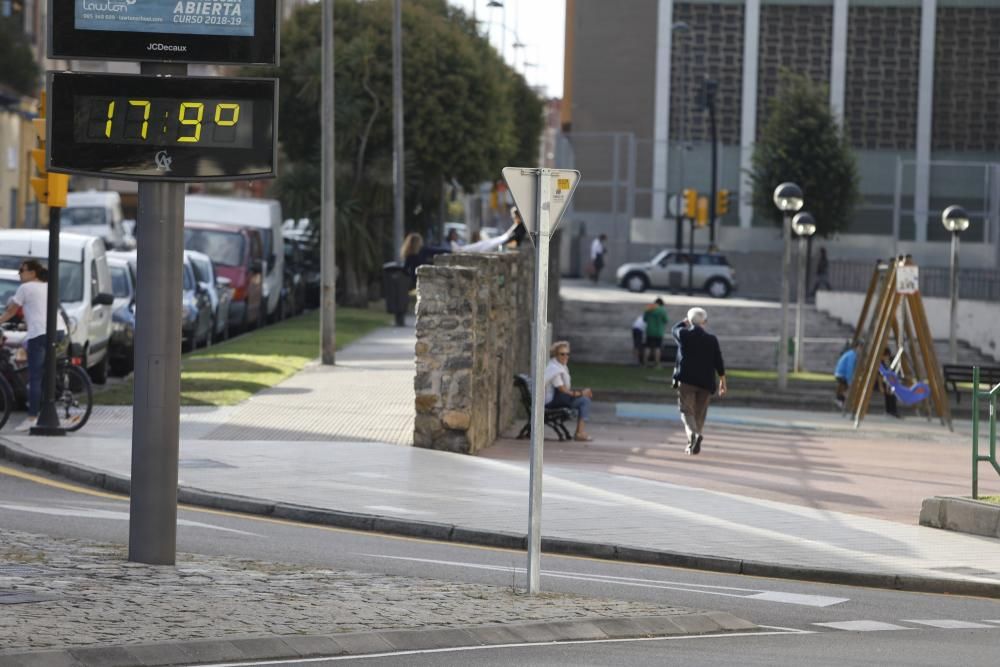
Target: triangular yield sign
x=523, y=185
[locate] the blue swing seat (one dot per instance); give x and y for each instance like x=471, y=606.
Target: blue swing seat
x=906, y=395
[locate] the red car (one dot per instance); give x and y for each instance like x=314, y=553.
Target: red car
x=238, y=256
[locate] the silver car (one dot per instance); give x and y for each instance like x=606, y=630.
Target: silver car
x=669, y=270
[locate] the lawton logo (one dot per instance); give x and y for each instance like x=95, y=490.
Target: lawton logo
x=163, y=161
x=109, y=6
x=157, y=46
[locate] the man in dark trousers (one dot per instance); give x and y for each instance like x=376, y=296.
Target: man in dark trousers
x=699, y=361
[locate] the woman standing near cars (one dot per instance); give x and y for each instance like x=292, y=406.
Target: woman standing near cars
x=32, y=299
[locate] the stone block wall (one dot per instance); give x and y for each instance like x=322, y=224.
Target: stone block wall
x=473, y=334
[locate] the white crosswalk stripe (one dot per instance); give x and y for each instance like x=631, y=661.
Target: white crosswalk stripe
x=947, y=623
x=862, y=626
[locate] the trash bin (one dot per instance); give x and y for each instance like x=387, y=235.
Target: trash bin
x=396, y=290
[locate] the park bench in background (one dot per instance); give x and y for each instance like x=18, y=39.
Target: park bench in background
x=555, y=418
x=954, y=374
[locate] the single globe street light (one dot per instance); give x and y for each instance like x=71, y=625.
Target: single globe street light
x=956, y=221
x=788, y=199
x=804, y=226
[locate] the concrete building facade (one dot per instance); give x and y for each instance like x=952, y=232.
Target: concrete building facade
x=915, y=84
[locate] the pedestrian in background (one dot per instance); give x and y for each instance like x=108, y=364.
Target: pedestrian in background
x=699, y=361
x=639, y=337
x=822, y=273
x=843, y=373
x=656, y=325
x=597, y=251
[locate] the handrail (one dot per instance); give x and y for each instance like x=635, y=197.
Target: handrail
x=976, y=456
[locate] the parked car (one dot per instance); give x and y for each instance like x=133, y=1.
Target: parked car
x=669, y=270
x=196, y=309
x=294, y=300
x=95, y=213
x=238, y=256
x=218, y=288
x=84, y=288
x=264, y=215
x=303, y=235
x=122, y=349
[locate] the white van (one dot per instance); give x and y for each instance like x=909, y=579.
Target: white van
x=264, y=215
x=94, y=213
x=84, y=287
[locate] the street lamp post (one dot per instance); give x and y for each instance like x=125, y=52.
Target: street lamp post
x=788, y=199
x=492, y=4
x=680, y=27
x=804, y=226
x=956, y=221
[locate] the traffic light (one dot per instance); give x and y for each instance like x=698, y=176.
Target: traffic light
x=690, y=203
x=50, y=189
x=702, y=218
x=721, y=203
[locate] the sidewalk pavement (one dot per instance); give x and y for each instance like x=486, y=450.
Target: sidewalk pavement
x=74, y=602
x=345, y=465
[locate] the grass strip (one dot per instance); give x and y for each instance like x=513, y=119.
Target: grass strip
x=614, y=377
x=230, y=372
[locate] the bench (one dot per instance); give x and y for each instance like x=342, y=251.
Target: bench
x=555, y=418
x=953, y=374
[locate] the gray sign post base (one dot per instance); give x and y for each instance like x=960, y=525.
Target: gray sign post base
x=156, y=401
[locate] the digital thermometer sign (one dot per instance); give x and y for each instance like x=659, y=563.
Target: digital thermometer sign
x=136, y=127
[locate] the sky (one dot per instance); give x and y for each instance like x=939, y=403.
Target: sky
x=539, y=24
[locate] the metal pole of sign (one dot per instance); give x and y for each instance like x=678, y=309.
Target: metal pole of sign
x=328, y=234
x=48, y=417
x=538, y=361
x=156, y=413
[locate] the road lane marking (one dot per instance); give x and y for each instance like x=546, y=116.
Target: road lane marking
x=92, y=513
x=862, y=626
x=948, y=624
x=705, y=589
x=456, y=649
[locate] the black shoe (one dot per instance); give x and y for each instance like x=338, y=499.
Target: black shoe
x=697, y=444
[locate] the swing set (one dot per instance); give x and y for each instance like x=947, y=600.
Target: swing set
x=893, y=307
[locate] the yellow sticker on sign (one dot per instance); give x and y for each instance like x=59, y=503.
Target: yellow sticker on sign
x=562, y=183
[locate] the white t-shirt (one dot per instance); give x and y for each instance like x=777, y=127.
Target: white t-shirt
x=556, y=375
x=596, y=248
x=640, y=324
x=33, y=297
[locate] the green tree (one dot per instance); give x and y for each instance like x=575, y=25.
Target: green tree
x=18, y=69
x=466, y=116
x=802, y=142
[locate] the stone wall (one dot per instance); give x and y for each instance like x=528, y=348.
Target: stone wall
x=473, y=334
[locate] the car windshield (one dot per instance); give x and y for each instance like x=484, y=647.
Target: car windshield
x=7, y=289
x=224, y=248
x=202, y=270
x=70, y=276
x=77, y=216
x=119, y=282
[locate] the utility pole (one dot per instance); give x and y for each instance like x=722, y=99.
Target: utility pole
x=710, y=89
x=328, y=233
x=398, y=183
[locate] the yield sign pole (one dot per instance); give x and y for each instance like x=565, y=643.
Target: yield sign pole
x=541, y=195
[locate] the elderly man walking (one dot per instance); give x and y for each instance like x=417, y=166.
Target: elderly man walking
x=699, y=361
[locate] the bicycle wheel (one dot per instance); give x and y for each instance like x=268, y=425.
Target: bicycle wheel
x=74, y=397
x=6, y=401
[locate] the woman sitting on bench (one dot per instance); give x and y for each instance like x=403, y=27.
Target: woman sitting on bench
x=559, y=392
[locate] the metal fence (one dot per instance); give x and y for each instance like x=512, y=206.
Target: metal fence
x=976, y=284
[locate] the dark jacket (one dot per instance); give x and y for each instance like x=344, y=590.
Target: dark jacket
x=699, y=358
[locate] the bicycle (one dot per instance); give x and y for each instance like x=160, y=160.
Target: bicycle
x=74, y=396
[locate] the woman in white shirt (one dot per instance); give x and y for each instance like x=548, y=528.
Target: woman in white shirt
x=559, y=392
x=32, y=299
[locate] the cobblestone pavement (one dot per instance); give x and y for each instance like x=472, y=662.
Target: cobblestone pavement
x=63, y=593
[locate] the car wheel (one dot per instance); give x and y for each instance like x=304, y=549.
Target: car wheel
x=636, y=282
x=717, y=288
x=99, y=373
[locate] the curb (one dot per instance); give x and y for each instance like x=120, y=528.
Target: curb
x=444, y=532
x=278, y=647
x=960, y=514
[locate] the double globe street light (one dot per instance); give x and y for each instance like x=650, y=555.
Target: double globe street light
x=788, y=200
x=956, y=221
